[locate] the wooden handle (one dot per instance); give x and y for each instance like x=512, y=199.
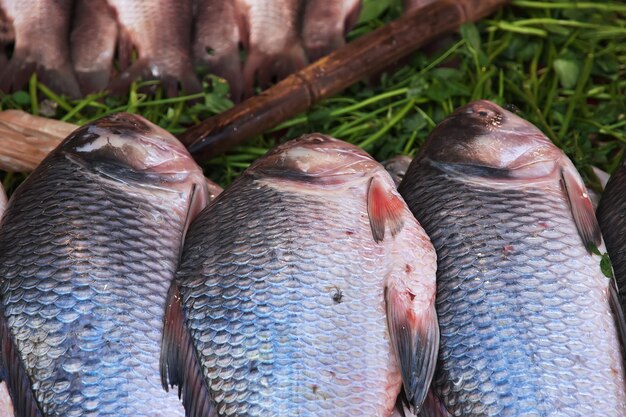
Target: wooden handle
x=25, y=140
x=367, y=55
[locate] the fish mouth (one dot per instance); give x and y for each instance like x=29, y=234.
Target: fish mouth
x=483, y=139
x=315, y=158
x=491, y=117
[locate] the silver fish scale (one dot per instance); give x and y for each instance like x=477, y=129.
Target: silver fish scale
x=85, y=275
x=526, y=328
x=283, y=295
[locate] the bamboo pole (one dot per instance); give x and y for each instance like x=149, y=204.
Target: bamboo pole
x=357, y=60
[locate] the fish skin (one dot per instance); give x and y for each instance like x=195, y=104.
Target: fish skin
x=90, y=242
x=397, y=167
x=611, y=219
x=92, y=43
x=325, y=25
x=41, y=29
x=7, y=37
x=6, y=405
x=284, y=298
x=217, y=35
x=3, y=201
x=526, y=323
x=272, y=40
x=164, y=50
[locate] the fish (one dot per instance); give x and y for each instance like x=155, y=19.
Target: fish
x=41, y=33
x=611, y=219
x=81, y=37
x=89, y=245
x=160, y=31
x=527, y=317
x=305, y=288
x=216, y=41
x=276, y=35
x=92, y=43
x=397, y=166
x=272, y=41
x=326, y=24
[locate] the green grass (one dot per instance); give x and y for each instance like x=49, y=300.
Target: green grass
x=562, y=65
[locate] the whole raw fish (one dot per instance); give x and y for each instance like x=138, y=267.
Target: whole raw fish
x=272, y=40
x=611, y=213
x=217, y=37
x=41, y=31
x=305, y=289
x=527, y=318
x=160, y=32
x=163, y=33
x=326, y=23
x=88, y=248
x=93, y=39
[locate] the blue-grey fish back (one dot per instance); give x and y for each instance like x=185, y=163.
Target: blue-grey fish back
x=85, y=272
x=283, y=296
x=526, y=327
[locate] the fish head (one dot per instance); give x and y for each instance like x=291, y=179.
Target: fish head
x=316, y=159
x=482, y=137
x=129, y=149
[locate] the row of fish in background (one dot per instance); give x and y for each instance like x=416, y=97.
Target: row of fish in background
x=308, y=287
x=72, y=44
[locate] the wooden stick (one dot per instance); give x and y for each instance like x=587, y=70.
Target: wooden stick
x=25, y=140
x=359, y=59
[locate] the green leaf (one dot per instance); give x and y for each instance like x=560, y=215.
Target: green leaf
x=605, y=266
x=21, y=97
x=568, y=70
x=415, y=122
x=373, y=9
x=470, y=34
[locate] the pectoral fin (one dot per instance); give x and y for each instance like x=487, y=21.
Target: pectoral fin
x=416, y=340
x=14, y=374
x=433, y=407
x=179, y=363
x=581, y=207
x=385, y=209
